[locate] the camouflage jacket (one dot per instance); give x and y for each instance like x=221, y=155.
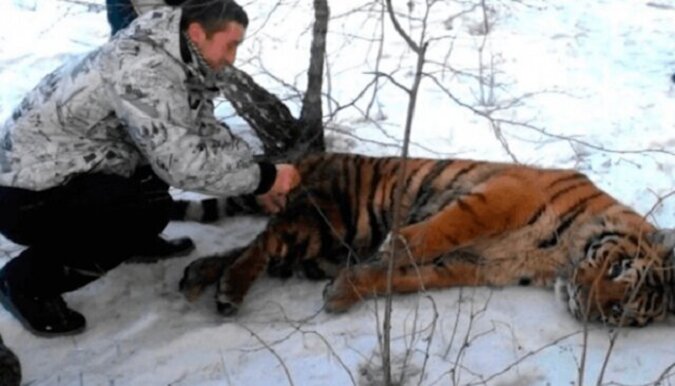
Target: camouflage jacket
x=142, y=98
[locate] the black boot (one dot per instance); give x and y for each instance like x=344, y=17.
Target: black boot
x=46, y=316
x=158, y=248
x=10, y=368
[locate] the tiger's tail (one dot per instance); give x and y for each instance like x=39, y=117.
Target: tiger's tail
x=215, y=208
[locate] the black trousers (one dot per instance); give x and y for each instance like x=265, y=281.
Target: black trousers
x=77, y=232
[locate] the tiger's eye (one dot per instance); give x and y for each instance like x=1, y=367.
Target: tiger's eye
x=615, y=270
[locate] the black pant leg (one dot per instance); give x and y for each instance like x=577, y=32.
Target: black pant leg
x=77, y=232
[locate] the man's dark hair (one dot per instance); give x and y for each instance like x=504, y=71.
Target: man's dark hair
x=212, y=15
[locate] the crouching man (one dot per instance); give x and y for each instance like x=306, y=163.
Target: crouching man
x=87, y=158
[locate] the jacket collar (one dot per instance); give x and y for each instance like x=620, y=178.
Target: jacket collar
x=161, y=28
x=192, y=56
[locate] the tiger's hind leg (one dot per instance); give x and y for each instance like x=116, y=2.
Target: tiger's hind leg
x=499, y=205
x=367, y=280
x=203, y=272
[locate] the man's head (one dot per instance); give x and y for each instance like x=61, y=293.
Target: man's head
x=216, y=27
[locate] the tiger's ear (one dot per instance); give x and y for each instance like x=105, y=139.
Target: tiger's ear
x=664, y=238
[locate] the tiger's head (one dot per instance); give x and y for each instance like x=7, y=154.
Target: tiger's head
x=621, y=279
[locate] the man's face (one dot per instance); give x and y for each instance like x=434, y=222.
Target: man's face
x=220, y=49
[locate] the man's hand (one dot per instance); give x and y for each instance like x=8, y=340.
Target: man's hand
x=275, y=199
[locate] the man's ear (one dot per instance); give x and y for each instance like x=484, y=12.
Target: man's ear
x=196, y=33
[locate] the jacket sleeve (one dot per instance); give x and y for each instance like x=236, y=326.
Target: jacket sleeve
x=185, y=149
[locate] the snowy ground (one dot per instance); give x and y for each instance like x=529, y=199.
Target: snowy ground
x=601, y=100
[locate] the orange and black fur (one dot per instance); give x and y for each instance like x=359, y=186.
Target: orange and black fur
x=464, y=223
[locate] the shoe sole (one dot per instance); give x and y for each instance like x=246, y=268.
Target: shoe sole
x=155, y=259
x=44, y=334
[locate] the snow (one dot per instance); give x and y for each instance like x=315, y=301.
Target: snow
x=600, y=99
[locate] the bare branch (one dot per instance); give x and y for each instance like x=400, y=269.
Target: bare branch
x=271, y=350
x=413, y=46
x=91, y=6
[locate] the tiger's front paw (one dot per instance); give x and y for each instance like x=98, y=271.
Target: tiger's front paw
x=201, y=273
x=340, y=294
x=195, y=280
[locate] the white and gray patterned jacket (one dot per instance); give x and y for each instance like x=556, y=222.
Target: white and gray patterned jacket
x=143, y=6
x=141, y=98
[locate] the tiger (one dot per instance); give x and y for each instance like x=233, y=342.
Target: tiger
x=462, y=223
